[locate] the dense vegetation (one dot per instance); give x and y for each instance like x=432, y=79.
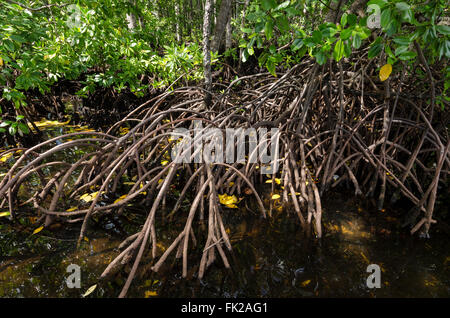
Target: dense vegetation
x=358, y=90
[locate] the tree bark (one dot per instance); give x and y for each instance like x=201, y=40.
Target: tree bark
x=221, y=22
x=228, y=33
x=177, y=24
x=207, y=51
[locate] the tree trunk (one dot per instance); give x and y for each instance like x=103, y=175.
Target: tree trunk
x=177, y=25
x=207, y=51
x=228, y=33
x=221, y=22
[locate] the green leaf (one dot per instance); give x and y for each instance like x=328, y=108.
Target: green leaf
x=402, y=6
x=283, y=23
x=351, y=19
x=272, y=49
x=356, y=41
x=338, y=52
x=345, y=34
x=9, y=45
x=347, y=49
x=297, y=44
x=385, y=18
x=321, y=58
x=283, y=5
x=344, y=19
x=12, y=130
x=317, y=36
x=380, y=3
x=245, y=56
x=18, y=38
x=443, y=29
x=247, y=30
x=400, y=50
x=407, y=55
x=388, y=51
x=24, y=128
x=271, y=67
x=375, y=50
x=268, y=29
x=402, y=40
x=269, y=4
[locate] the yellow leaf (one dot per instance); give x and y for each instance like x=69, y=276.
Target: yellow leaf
x=129, y=183
x=150, y=293
x=275, y=196
x=277, y=181
x=90, y=290
x=88, y=197
x=385, y=71
x=1, y=61
x=305, y=283
x=165, y=162
x=4, y=214
x=365, y=258
x=6, y=157
x=228, y=200
x=86, y=239
x=121, y=198
x=231, y=184
x=123, y=131
x=37, y=230
x=72, y=209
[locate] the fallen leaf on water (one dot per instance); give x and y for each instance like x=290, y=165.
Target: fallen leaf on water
x=305, y=283
x=6, y=157
x=365, y=258
x=277, y=181
x=37, y=230
x=90, y=290
x=4, y=214
x=228, y=200
x=150, y=293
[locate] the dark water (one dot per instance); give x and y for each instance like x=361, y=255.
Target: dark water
x=270, y=258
